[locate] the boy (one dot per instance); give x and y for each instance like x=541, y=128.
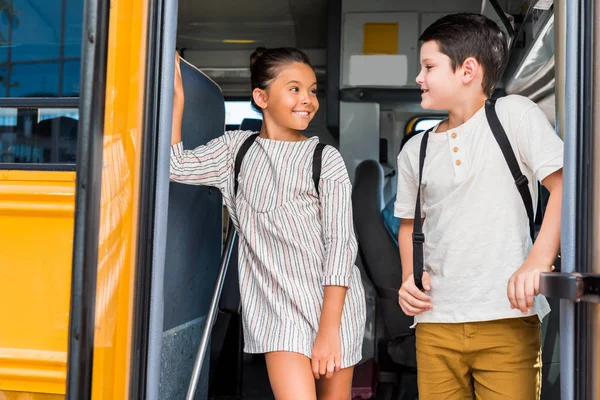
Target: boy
x=478, y=318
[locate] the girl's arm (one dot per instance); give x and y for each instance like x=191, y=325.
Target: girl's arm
x=205, y=165
x=341, y=249
x=178, y=103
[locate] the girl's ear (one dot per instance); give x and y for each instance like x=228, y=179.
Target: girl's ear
x=260, y=97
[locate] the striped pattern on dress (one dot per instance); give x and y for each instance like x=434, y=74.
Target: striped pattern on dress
x=292, y=241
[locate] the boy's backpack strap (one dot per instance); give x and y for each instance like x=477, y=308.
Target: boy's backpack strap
x=418, y=238
x=520, y=180
x=317, y=162
x=239, y=157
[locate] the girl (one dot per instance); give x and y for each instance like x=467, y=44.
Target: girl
x=302, y=297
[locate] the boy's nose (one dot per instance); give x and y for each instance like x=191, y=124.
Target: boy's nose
x=419, y=79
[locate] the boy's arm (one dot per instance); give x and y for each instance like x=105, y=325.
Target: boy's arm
x=411, y=299
x=523, y=286
x=406, y=249
x=547, y=244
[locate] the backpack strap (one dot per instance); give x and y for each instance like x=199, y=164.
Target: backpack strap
x=418, y=238
x=317, y=162
x=239, y=157
x=520, y=180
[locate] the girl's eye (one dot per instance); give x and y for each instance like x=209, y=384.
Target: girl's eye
x=294, y=89
x=313, y=91
x=428, y=67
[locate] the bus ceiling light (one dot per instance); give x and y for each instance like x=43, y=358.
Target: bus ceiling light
x=239, y=41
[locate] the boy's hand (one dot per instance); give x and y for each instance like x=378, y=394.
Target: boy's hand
x=326, y=353
x=524, y=285
x=411, y=299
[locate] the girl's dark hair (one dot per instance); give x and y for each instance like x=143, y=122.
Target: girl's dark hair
x=265, y=64
x=464, y=35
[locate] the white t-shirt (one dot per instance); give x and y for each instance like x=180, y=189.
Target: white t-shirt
x=476, y=226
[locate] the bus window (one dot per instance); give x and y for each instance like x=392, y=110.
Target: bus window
x=238, y=110
x=40, y=46
x=425, y=123
x=38, y=135
x=41, y=43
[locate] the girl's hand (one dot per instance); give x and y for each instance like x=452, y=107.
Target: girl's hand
x=178, y=95
x=326, y=354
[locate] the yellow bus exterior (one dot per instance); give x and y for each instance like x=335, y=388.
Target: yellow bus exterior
x=36, y=241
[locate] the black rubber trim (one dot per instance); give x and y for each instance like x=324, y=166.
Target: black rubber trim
x=584, y=335
x=94, y=50
x=40, y=102
x=37, y=167
x=147, y=209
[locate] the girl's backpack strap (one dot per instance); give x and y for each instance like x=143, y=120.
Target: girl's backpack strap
x=240, y=157
x=317, y=162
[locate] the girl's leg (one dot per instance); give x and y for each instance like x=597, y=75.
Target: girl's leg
x=338, y=387
x=290, y=375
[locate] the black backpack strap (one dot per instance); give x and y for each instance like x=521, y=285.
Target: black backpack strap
x=240, y=157
x=317, y=162
x=520, y=180
x=418, y=238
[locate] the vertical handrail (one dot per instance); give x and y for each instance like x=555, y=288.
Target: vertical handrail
x=212, y=312
x=567, y=38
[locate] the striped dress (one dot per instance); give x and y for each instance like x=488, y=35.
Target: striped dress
x=292, y=240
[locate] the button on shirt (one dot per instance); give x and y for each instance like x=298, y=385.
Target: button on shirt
x=476, y=226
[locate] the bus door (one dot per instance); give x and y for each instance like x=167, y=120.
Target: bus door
x=578, y=283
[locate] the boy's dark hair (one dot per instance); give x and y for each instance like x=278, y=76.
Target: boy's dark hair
x=265, y=64
x=464, y=35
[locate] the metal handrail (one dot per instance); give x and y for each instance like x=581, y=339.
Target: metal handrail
x=212, y=313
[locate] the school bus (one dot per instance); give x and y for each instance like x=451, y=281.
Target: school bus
x=109, y=273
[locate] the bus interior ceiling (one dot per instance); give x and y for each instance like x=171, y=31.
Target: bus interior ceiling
x=218, y=38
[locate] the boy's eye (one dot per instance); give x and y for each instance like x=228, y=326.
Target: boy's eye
x=428, y=67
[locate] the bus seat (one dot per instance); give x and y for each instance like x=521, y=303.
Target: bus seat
x=194, y=242
x=251, y=124
x=381, y=260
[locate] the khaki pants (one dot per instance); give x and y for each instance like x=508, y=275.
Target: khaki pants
x=489, y=360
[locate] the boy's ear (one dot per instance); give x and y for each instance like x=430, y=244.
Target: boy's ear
x=260, y=97
x=470, y=70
